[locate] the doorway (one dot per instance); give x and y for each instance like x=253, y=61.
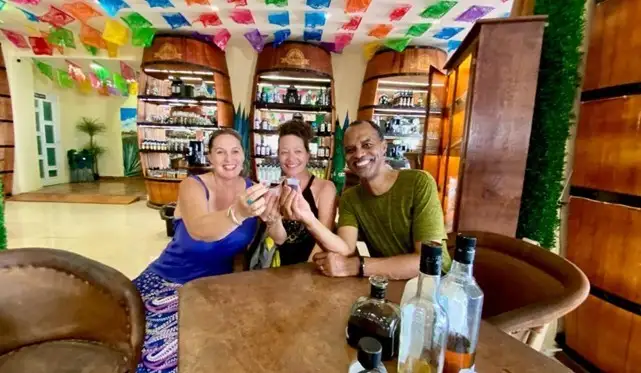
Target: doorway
x=48, y=140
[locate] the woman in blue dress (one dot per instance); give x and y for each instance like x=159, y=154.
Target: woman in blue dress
x=215, y=219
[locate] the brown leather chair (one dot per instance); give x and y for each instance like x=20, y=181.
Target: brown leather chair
x=61, y=312
x=525, y=286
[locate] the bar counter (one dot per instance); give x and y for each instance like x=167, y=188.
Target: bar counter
x=293, y=319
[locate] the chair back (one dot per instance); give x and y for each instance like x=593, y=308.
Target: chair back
x=49, y=295
x=525, y=286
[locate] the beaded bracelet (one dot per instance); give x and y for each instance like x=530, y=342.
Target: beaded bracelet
x=230, y=214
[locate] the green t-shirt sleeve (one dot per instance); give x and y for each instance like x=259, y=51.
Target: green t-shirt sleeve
x=427, y=220
x=346, y=215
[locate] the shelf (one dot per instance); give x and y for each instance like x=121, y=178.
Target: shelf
x=402, y=110
x=402, y=137
x=275, y=132
x=164, y=179
x=162, y=151
x=178, y=100
x=293, y=107
x=183, y=126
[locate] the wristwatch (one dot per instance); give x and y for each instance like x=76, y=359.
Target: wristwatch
x=361, y=268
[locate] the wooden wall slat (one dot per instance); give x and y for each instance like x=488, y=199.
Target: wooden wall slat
x=615, y=45
x=184, y=49
x=605, y=244
x=295, y=55
x=411, y=60
x=6, y=134
x=605, y=335
x=607, y=150
x=4, y=83
x=6, y=112
x=368, y=94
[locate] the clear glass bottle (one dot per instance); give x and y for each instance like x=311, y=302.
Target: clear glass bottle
x=376, y=317
x=368, y=359
x=463, y=301
x=423, y=320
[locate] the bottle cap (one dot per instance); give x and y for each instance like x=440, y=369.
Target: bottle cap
x=369, y=352
x=431, y=259
x=465, y=248
x=378, y=286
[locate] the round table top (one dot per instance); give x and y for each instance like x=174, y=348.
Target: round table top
x=293, y=319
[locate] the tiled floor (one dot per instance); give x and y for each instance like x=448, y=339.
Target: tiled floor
x=126, y=237
x=106, y=191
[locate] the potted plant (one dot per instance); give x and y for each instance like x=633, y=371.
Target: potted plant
x=92, y=127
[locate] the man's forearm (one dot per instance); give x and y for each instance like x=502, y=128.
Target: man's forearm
x=327, y=239
x=400, y=267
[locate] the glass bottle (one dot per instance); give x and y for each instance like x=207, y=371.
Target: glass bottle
x=376, y=317
x=368, y=359
x=463, y=301
x=423, y=320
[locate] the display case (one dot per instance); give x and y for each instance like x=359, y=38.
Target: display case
x=395, y=95
x=184, y=97
x=484, y=122
x=293, y=80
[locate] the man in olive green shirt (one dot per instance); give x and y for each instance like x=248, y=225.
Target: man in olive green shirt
x=394, y=210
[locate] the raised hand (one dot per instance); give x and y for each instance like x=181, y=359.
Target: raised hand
x=272, y=209
x=293, y=206
x=251, y=202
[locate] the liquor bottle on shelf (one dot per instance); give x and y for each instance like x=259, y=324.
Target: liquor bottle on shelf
x=463, y=301
x=328, y=127
x=368, y=359
x=424, y=323
x=321, y=129
x=374, y=316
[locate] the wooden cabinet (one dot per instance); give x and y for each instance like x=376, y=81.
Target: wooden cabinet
x=485, y=118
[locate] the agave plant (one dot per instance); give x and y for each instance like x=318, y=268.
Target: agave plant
x=92, y=127
x=131, y=160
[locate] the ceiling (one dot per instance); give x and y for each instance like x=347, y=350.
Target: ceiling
x=445, y=32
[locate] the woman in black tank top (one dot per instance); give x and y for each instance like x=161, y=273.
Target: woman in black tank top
x=295, y=242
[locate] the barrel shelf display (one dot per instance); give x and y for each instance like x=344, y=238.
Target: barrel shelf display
x=7, y=144
x=293, y=80
x=395, y=95
x=185, y=96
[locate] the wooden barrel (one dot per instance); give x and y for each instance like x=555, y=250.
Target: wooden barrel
x=7, y=145
x=604, y=224
x=182, y=56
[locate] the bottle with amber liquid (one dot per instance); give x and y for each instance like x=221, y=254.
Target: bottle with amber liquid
x=424, y=322
x=463, y=302
x=376, y=317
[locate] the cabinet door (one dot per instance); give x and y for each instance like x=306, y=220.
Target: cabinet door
x=435, y=122
x=460, y=82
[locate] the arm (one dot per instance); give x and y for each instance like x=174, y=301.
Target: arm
x=214, y=225
x=274, y=220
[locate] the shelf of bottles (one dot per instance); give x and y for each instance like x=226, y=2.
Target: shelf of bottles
x=178, y=115
x=279, y=101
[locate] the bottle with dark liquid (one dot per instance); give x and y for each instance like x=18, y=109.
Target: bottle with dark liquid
x=369, y=357
x=376, y=317
x=463, y=302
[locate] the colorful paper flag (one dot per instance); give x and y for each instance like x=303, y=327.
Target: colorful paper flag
x=16, y=39
x=278, y=3
x=447, y=33
x=473, y=13
x=133, y=89
x=399, y=12
x=255, y=39
x=101, y=72
x=112, y=50
x=160, y=3
x=175, y=20
x=81, y=11
x=453, y=45
x=62, y=37
x=312, y=35
x=143, y=37
x=112, y=6
x=127, y=72
x=30, y=16
x=135, y=21
x=380, y=31
x=209, y=19
x=198, y=2
x=40, y=46
x=242, y=16
x=357, y=6
x=59, y=48
x=237, y=3
x=280, y=36
x=438, y=9
x=44, y=68
x=2, y=4
x=120, y=84
x=221, y=38
x=91, y=49
x=95, y=81
x=279, y=18
x=315, y=19
x=56, y=17
x=115, y=32
x=398, y=44
x=352, y=24
x=369, y=49
x=318, y=4
x=343, y=38
x=84, y=86
x=92, y=37
x=27, y=2
x=75, y=71
x=418, y=29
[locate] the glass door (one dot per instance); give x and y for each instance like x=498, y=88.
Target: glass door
x=437, y=120
x=47, y=141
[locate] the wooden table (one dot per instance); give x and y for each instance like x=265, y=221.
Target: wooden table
x=293, y=319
